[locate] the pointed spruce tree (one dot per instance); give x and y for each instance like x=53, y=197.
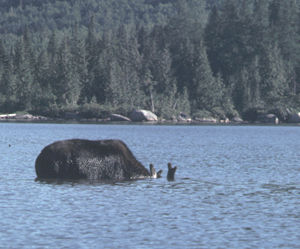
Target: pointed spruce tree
x=205, y=91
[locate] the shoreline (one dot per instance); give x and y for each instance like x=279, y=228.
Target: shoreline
x=45, y=120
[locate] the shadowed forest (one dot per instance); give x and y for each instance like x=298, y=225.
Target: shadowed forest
x=221, y=58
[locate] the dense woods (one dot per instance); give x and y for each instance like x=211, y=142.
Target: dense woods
x=204, y=58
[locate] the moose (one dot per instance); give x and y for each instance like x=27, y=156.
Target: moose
x=100, y=160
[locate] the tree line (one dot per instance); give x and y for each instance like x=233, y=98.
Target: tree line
x=224, y=59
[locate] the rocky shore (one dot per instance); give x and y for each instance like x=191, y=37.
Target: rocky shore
x=22, y=117
x=145, y=116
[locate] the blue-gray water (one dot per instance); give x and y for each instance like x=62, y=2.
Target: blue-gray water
x=235, y=187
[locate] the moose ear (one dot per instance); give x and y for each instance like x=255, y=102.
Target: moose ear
x=159, y=173
x=169, y=166
x=152, y=170
x=175, y=168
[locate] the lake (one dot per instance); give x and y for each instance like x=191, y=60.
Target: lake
x=235, y=187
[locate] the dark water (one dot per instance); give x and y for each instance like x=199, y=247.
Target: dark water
x=236, y=187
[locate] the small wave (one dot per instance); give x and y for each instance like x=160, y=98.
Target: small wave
x=281, y=188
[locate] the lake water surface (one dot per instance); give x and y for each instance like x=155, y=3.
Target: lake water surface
x=235, y=187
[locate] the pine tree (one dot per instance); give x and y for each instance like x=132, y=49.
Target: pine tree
x=166, y=87
x=2, y=57
x=274, y=86
x=183, y=59
x=8, y=86
x=115, y=90
x=101, y=78
x=255, y=81
x=148, y=89
x=43, y=98
x=91, y=46
x=129, y=60
x=92, y=59
x=260, y=33
x=52, y=48
x=232, y=48
x=67, y=87
x=284, y=21
x=163, y=71
x=24, y=77
x=79, y=62
x=205, y=90
x=182, y=103
x=213, y=40
x=247, y=88
x=28, y=49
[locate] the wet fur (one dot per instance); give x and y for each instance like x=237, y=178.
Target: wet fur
x=86, y=159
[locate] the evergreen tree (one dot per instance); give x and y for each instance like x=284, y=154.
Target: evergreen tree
x=163, y=71
x=233, y=51
x=182, y=103
x=205, y=89
x=43, y=98
x=165, y=87
x=52, y=48
x=24, y=77
x=148, y=88
x=115, y=91
x=79, y=63
x=284, y=20
x=260, y=33
x=247, y=87
x=274, y=83
x=150, y=55
x=92, y=58
x=67, y=87
x=213, y=40
x=8, y=86
x=183, y=67
x=2, y=57
x=129, y=60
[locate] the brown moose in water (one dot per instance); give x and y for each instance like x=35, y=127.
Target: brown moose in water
x=100, y=160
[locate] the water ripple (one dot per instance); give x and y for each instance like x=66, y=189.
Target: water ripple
x=236, y=187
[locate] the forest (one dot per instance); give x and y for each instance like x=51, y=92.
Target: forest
x=204, y=58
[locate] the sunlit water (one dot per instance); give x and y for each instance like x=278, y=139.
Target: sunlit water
x=235, y=187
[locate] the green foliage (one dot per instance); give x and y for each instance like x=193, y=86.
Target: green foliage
x=94, y=57
x=202, y=114
x=94, y=110
x=206, y=90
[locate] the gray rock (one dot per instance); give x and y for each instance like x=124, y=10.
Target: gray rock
x=142, y=115
x=29, y=117
x=22, y=117
x=8, y=116
x=224, y=121
x=294, y=118
x=268, y=118
x=236, y=120
x=206, y=120
x=118, y=118
x=182, y=117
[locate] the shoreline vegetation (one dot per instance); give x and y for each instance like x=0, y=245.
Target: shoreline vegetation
x=147, y=117
x=193, y=61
